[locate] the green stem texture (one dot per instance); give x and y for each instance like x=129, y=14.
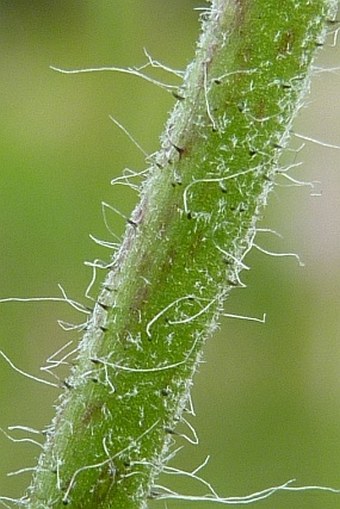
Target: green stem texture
x=183, y=251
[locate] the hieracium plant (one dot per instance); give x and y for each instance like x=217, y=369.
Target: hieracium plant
x=182, y=253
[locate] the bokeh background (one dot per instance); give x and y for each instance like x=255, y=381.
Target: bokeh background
x=268, y=397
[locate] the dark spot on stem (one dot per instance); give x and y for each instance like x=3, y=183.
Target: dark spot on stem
x=95, y=361
x=232, y=283
x=332, y=21
x=286, y=42
x=93, y=411
x=241, y=107
x=153, y=494
x=178, y=96
x=180, y=150
x=170, y=431
x=103, y=306
x=67, y=384
x=176, y=182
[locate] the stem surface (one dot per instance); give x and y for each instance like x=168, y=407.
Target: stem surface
x=182, y=253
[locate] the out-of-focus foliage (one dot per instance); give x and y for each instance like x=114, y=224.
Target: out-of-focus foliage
x=268, y=398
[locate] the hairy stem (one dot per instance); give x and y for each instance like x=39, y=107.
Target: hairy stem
x=182, y=253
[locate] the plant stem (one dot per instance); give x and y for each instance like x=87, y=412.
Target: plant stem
x=182, y=253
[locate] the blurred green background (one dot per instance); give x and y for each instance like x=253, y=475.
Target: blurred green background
x=268, y=397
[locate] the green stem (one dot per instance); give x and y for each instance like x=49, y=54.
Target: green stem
x=182, y=253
